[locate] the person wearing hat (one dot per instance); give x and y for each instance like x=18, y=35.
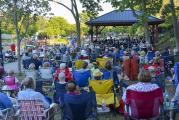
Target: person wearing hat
x=64, y=69
x=60, y=87
x=97, y=74
x=84, y=55
x=142, y=57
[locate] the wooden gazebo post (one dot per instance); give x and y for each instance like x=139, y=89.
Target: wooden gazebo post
x=97, y=31
x=156, y=34
x=91, y=31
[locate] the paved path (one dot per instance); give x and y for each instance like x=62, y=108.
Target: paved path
x=11, y=66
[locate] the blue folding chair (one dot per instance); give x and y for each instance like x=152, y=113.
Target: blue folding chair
x=60, y=90
x=79, y=107
x=106, y=74
x=81, y=77
x=26, y=63
x=176, y=71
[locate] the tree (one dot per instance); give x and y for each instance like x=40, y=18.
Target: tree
x=169, y=13
x=90, y=5
x=41, y=23
x=175, y=24
x=147, y=7
x=57, y=26
x=22, y=13
x=84, y=17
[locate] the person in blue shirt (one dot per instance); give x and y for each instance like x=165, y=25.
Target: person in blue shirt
x=5, y=101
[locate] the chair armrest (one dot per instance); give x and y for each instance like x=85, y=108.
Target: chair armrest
x=49, y=113
x=5, y=110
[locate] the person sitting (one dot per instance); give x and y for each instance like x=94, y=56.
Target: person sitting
x=60, y=88
x=84, y=67
x=46, y=71
x=97, y=74
x=84, y=55
x=29, y=93
x=72, y=89
x=5, y=102
x=144, y=85
x=26, y=60
x=1, y=71
x=31, y=72
x=175, y=101
x=11, y=82
x=36, y=61
x=107, y=71
x=68, y=75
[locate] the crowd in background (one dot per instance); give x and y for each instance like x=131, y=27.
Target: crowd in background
x=129, y=59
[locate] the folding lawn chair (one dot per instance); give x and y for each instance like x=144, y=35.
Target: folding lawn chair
x=78, y=64
x=60, y=90
x=102, y=62
x=104, y=90
x=82, y=77
x=7, y=114
x=34, y=110
x=144, y=105
x=79, y=107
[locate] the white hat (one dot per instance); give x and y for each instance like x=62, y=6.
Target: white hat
x=83, y=53
x=62, y=66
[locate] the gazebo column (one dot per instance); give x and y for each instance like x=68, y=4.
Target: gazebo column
x=91, y=30
x=152, y=30
x=97, y=31
x=156, y=33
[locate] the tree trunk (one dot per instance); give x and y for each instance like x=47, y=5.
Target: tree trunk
x=146, y=31
x=175, y=24
x=77, y=19
x=18, y=55
x=78, y=30
x=145, y=23
x=17, y=35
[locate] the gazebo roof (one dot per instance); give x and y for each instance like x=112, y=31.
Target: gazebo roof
x=121, y=18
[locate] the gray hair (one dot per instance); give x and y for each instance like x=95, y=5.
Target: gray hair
x=61, y=77
x=29, y=83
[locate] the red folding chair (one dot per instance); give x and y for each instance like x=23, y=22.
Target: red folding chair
x=144, y=105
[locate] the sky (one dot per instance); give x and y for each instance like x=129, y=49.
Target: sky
x=58, y=10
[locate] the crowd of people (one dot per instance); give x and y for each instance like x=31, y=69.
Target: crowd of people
x=120, y=60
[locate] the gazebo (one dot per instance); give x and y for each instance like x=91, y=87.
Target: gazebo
x=121, y=18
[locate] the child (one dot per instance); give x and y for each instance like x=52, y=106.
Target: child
x=11, y=82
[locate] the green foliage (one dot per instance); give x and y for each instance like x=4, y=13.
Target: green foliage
x=22, y=14
x=41, y=23
x=84, y=17
x=148, y=7
x=57, y=26
x=92, y=7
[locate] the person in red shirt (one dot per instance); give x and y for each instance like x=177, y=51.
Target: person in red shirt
x=63, y=68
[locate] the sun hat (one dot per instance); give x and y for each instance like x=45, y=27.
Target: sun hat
x=62, y=65
x=142, y=53
x=97, y=73
x=83, y=53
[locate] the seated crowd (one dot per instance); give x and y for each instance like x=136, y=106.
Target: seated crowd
x=52, y=73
